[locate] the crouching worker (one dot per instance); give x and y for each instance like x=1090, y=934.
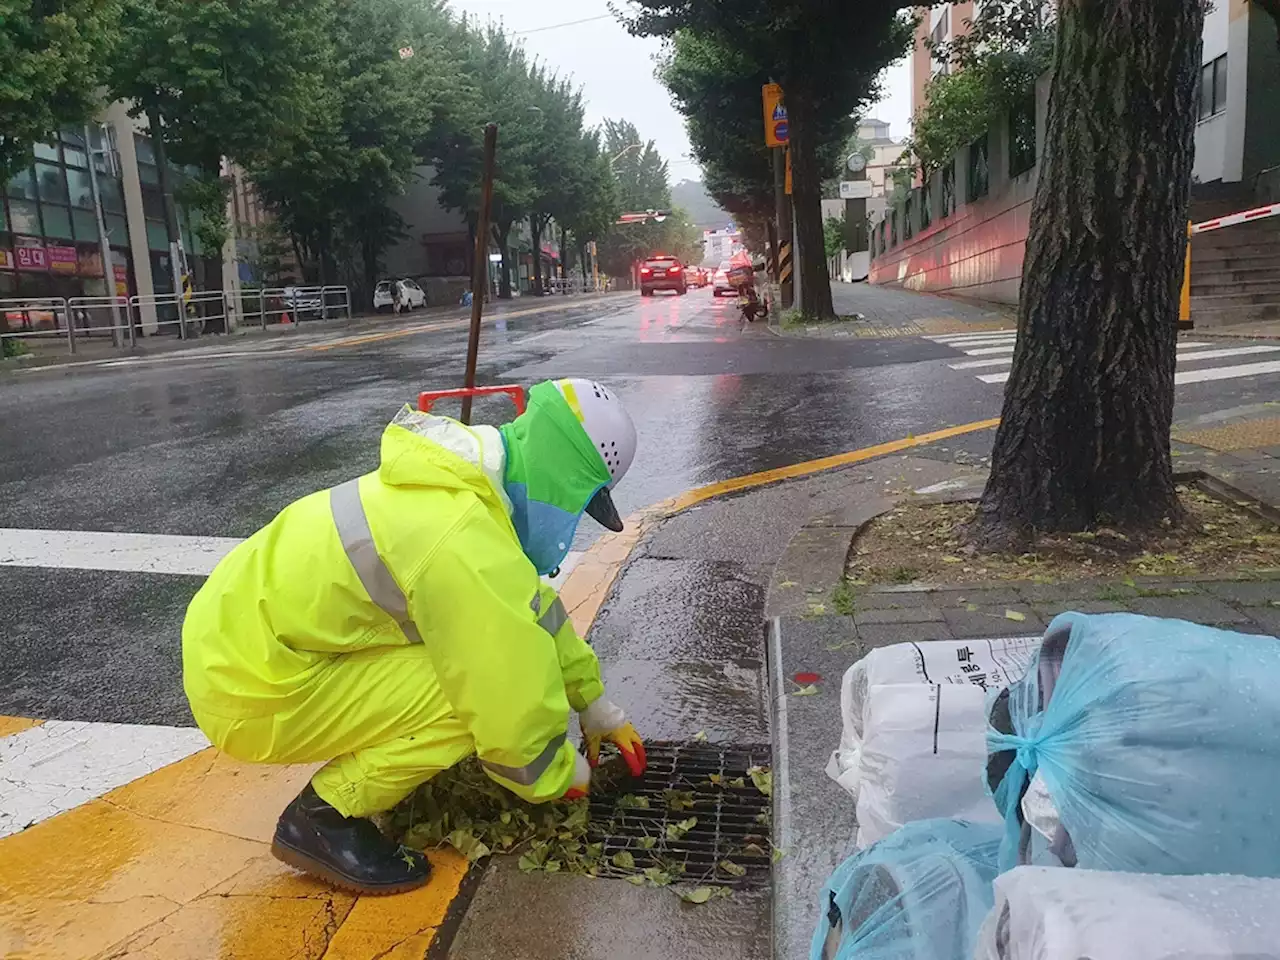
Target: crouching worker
x=396, y=624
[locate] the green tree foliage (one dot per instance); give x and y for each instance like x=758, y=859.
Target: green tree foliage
x=994, y=68
x=52, y=59
x=833, y=235
x=331, y=177
x=226, y=77
x=641, y=184
x=827, y=56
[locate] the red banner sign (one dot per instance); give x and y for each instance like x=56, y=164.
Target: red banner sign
x=31, y=258
x=62, y=259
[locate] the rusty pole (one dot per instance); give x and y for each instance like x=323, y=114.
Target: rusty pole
x=480, y=267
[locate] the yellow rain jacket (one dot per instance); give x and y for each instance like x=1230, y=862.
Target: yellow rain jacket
x=392, y=626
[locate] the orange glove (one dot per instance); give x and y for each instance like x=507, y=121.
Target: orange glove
x=603, y=720
x=581, y=779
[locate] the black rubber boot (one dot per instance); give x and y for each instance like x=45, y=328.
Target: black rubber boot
x=349, y=852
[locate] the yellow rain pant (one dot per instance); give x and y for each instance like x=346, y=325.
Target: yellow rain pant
x=377, y=716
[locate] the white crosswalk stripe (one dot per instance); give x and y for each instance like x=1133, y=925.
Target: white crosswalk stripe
x=995, y=351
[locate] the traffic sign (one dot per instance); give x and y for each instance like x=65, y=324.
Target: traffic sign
x=776, y=129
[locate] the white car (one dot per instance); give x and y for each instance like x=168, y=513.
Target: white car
x=411, y=295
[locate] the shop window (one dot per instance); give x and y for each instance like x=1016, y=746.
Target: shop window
x=146, y=150
x=979, y=177
x=57, y=221
x=112, y=197
x=1213, y=87
x=117, y=229
x=24, y=218
x=1022, y=136
x=80, y=188
x=52, y=182
x=47, y=151
x=157, y=235
x=74, y=157
x=86, y=225
x=22, y=185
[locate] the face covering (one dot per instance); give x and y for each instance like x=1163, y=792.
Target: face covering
x=553, y=471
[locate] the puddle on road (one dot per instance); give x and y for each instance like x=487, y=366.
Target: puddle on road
x=674, y=700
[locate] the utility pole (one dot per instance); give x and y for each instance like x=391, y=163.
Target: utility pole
x=177, y=256
x=104, y=244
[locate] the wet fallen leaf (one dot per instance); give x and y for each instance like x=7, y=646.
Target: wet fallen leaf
x=762, y=777
x=787, y=583
x=1014, y=615
x=817, y=609
x=528, y=864
x=733, y=869
x=700, y=737
x=623, y=860
x=631, y=801
x=637, y=879
x=971, y=607
x=806, y=691
x=715, y=779
x=696, y=895
x=762, y=817
x=950, y=559
x=754, y=850
x=647, y=843
x=551, y=866
x=738, y=782
x=778, y=854
x=659, y=878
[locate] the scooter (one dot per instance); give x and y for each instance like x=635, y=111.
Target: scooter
x=750, y=304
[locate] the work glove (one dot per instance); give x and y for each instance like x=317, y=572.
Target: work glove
x=581, y=779
x=604, y=720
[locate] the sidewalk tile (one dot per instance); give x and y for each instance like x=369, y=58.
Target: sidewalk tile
x=991, y=621
x=905, y=615
x=1247, y=593
x=876, y=600
x=1047, y=611
x=883, y=634
x=1199, y=609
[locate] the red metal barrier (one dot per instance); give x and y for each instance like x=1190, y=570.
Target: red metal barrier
x=427, y=399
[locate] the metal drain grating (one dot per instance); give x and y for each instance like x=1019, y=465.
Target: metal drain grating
x=730, y=818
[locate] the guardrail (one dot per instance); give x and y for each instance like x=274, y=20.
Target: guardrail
x=121, y=318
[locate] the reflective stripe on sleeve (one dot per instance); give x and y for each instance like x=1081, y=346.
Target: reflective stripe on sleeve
x=528, y=775
x=554, y=618
x=357, y=541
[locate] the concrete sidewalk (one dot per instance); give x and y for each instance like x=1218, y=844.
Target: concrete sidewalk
x=869, y=311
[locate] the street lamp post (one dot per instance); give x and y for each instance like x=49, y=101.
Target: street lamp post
x=625, y=150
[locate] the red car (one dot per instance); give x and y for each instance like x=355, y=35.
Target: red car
x=662, y=273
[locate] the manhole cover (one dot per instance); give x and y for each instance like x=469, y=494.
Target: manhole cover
x=728, y=844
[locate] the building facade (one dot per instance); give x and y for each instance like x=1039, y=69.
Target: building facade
x=963, y=230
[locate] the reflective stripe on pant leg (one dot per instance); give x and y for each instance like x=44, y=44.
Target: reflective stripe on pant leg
x=528, y=775
x=554, y=617
x=357, y=541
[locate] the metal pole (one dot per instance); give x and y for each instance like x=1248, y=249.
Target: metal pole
x=104, y=244
x=480, y=265
x=262, y=306
x=782, y=215
x=176, y=267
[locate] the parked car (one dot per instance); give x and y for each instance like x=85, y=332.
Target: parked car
x=303, y=302
x=411, y=295
x=721, y=285
x=662, y=273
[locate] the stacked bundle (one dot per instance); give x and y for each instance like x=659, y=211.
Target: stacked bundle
x=1128, y=744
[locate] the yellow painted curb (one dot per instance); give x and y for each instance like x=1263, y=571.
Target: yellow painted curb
x=11, y=725
x=589, y=583
x=177, y=866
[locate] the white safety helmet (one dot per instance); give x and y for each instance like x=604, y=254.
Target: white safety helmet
x=609, y=426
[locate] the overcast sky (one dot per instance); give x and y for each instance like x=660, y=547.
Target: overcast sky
x=616, y=70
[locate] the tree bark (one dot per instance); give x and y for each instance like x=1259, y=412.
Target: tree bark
x=536, y=224
x=1084, y=433
x=806, y=196
x=501, y=231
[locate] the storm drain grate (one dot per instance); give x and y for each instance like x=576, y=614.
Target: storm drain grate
x=687, y=781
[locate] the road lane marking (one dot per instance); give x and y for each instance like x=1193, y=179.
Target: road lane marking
x=122, y=552
x=61, y=764
x=979, y=364
x=1188, y=376
x=1228, y=352
x=988, y=351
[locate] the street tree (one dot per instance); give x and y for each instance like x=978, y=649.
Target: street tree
x=1084, y=433
x=593, y=215
x=497, y=88
x=826, y=54
x=332, y=177
x=54, y=57
x=642, y=184
x=560, y=157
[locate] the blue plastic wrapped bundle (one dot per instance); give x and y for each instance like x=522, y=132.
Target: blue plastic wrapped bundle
x=919, y=894
x=1151, y=746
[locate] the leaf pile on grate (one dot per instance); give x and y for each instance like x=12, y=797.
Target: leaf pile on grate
x=663, y=841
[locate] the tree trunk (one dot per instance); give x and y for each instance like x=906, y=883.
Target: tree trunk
x=536, y=224
x=806, y=196
x=1084, y=434
x=501, y=231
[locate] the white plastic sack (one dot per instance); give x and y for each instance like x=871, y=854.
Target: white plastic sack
x=1046, y=913
x=913, y=740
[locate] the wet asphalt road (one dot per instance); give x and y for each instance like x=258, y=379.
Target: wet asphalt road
x=217, y=445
